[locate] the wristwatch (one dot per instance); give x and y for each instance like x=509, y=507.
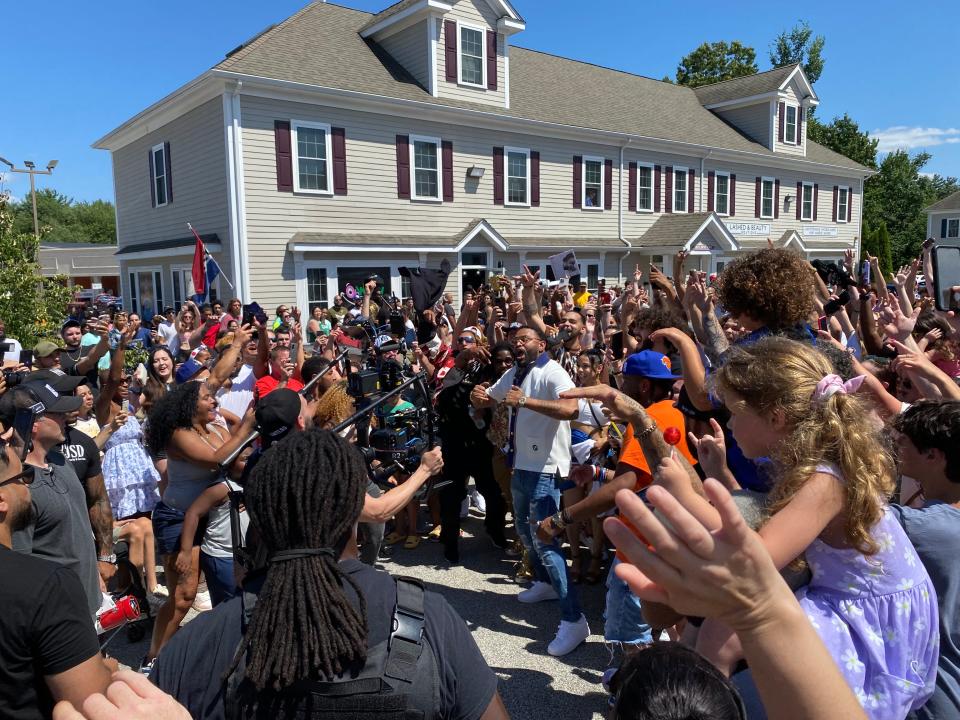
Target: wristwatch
x=111, y=558
x=557, y=521
x=522, y=401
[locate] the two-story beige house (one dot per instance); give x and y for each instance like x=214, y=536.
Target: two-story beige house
x=339, y=143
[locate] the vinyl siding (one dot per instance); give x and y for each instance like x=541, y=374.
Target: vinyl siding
x=479, y=14
x=409, y=48
x=785, y=148
x=753, y=121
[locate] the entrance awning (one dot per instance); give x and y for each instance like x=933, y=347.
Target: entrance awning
x=791, y=238
x=166, y=248
x=697, y=233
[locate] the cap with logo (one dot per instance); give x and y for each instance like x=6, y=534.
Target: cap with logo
x=52, y=400
x=277, y=414
x=58, y=379
x=188, y=370
x=45, y=348
x=649, y=364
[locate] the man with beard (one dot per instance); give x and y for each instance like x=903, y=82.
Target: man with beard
x=77, y=359
x=570, y=324
x=48, y=646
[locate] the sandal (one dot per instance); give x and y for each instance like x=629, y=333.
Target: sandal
x=434, y=534
x=595, y=572
x=412, y=542
x=393, y=538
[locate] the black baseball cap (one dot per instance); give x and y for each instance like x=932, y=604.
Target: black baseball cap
x=69, y=324
x=277, y=414
x=58, y=379
x=52, y=400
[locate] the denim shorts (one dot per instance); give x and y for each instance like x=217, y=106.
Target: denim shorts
x=623, y=621
x=167, y=527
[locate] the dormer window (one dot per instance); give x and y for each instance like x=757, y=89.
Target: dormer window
x=790, y=126
x=472, y=56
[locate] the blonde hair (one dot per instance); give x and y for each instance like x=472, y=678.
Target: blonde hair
x=780, y=374
x=333, y=407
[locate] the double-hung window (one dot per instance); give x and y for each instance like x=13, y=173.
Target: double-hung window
x=953, y=227
x=843, y=202
x=644, y=188
x=518, y=176
x=159, y=155
x=317, y=288
x=425, y=167
x=679, y=189
x=313, y=173
x=806, y=202
x=473, y=62
x=790, y=125
x=593, y=183
x=766, y=197
x=721, y=193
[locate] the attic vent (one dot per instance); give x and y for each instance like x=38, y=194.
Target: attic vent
x=242, y=45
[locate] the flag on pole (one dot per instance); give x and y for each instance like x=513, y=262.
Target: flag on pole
x=204, y=270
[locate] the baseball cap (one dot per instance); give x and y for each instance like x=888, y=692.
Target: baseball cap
x=277, y=414
x=186, y=371
x=649, y=364
x=44, y=348
x=52, y=400
x=60, y=381
x=69, y=324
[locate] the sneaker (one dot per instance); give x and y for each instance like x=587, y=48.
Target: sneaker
x=202, y=603
x=146, y=666
x=478, y=503
x=160, y=591
x=538, y=592
x=569, y=636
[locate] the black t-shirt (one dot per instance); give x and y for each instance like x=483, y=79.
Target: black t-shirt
x=45, y=629
x=83, y=455
x=191, y=665
x=69, y=357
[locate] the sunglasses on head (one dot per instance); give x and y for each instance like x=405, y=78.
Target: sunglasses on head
x=467, y=339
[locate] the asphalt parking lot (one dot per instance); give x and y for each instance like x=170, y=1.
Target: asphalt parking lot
x=512, y=637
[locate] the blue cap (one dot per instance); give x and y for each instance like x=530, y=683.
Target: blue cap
x=649, y=364
x=186, y=371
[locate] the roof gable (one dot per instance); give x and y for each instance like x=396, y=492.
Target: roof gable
x=758, y=86
x=950, y=202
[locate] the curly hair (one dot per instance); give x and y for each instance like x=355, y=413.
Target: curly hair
x=776, y=373
x=774, y=287
x=334, y=406
x=172, y=411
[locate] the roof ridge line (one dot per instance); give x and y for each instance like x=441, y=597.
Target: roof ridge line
x=743, y=77
x=596, y=65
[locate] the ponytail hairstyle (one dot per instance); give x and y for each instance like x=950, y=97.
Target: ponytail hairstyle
x=306, y=493
x=776, y=373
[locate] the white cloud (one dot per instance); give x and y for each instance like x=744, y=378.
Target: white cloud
x=903, y=137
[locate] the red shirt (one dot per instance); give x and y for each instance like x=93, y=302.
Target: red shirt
x=268, y=383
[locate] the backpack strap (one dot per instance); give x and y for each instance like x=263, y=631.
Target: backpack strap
x=406, y=639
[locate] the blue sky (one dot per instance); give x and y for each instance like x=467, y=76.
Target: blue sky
x=74, y=71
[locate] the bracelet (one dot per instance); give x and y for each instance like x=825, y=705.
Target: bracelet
x=645, y=432
x=557, y=522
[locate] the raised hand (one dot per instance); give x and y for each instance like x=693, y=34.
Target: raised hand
x=527, y=278
x=711, y=450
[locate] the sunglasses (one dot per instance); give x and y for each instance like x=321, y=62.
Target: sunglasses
x=467, y=339
x=24, y=477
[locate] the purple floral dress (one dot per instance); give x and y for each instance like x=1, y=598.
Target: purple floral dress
x=877, y=615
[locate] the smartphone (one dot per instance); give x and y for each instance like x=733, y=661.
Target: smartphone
x=26, y=358
x=822, y=322
x=865, y=272
x=252, y=312
x=605, y=298
x=946, y=276
x=5, y=348
x=616, y=345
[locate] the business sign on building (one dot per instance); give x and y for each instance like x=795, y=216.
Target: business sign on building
x=749, y=228
x=818, y=231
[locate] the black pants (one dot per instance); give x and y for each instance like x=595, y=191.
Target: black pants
x=459, y=463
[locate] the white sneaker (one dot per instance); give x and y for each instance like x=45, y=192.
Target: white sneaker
x=202, y=603
x=538, y=592
x=569, y=636
x=478, y=503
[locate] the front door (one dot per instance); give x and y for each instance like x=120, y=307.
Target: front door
x=472, y=278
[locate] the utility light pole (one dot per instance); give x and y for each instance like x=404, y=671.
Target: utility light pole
x=30, y=168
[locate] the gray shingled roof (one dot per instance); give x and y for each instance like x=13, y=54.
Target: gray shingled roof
x=950, y=202
x=208, y=240
x=673, y=229
x=744, y=87
x=320, y=45
x=387, y=12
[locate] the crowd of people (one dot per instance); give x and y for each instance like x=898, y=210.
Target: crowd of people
x=760, y=466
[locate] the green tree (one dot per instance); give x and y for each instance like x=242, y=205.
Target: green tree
x=31, y=305
x=884, y=250
x=799, y=46
x=843, y=135
x=63, y=220
x=713, y=62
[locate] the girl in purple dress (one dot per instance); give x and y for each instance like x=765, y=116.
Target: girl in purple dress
x=870, y=598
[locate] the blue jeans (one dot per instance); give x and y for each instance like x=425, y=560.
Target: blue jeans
x=623, y=622
x=535, y=498
x=220, y=580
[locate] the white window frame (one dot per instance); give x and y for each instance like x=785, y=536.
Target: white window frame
x=717, y=174
x=773, y=196
x=162, y=173
x=843, y=191
x=583, y=182
x=652, y=187
x=295, y=125
x=132, y=303
x=801, y=200
x=506, y=175
x=483, y=54
x=301, y=264
x=174, y=269
x=786, y=124
x=414, y=139
x=956, y=233
x=678, y=171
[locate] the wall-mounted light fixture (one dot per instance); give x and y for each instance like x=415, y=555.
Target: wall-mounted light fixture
x=475, y=171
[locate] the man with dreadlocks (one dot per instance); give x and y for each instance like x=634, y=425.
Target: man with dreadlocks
x=316, y=633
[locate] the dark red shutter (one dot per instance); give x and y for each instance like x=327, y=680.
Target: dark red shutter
x=450, y=49
x=710, y=181
x=403, y=167
x=836, y=199
x=943, y=228
x=281, y=145
x=799, y=200
x=756, y=199
x=799, y=126
x=668, y=189
x=656, y=188
x=607, y=184
x=691, y=182
x=577, y=180
x=447, y=150
x=733, y=195
x=339, y=160
x=498, y=176
x=150, y=175
x=632, y=187
x=781, y=113
x=491, y=60
x=849, y=204
x=169, y=174
x=816, y=198
x=776, y=199
x=535, y=178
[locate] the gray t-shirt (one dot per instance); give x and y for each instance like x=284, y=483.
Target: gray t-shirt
x=61, y=531
x=934, y=531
